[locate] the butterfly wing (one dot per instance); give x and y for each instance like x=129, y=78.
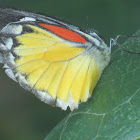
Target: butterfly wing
x=54, y=60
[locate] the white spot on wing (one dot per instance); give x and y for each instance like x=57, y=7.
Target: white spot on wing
x=62, y=104
x=48, y=99
x=11, y=60
x=44, y=96
x=6, y=66
x=10, y=74
x=72, y=103
x=40, y=95
x=8, y=44
x=11, y=56
x=2, y=47
x=88, y=94
x=12, y=29
x=28, y=19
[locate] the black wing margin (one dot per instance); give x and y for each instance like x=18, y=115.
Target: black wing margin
x=8, y=15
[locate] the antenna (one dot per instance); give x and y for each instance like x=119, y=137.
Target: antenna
x=114, y=42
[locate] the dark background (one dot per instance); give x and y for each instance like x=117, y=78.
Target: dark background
x=22, y=115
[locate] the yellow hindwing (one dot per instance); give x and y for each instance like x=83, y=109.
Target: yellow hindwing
x=50, y=64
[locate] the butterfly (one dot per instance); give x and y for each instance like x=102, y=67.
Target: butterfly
x=56, y=61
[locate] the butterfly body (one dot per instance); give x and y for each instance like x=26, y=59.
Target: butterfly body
x=56, y=61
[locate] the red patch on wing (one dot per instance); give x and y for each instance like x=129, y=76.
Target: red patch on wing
x=64, y=33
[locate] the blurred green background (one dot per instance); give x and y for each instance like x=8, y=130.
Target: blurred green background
x=22, y=115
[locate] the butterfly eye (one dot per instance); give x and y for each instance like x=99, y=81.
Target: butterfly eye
x=92, y=32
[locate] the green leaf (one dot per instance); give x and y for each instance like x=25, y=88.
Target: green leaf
x=113, y=112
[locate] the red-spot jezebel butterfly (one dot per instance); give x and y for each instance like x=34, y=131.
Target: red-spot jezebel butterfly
x=56, y=61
